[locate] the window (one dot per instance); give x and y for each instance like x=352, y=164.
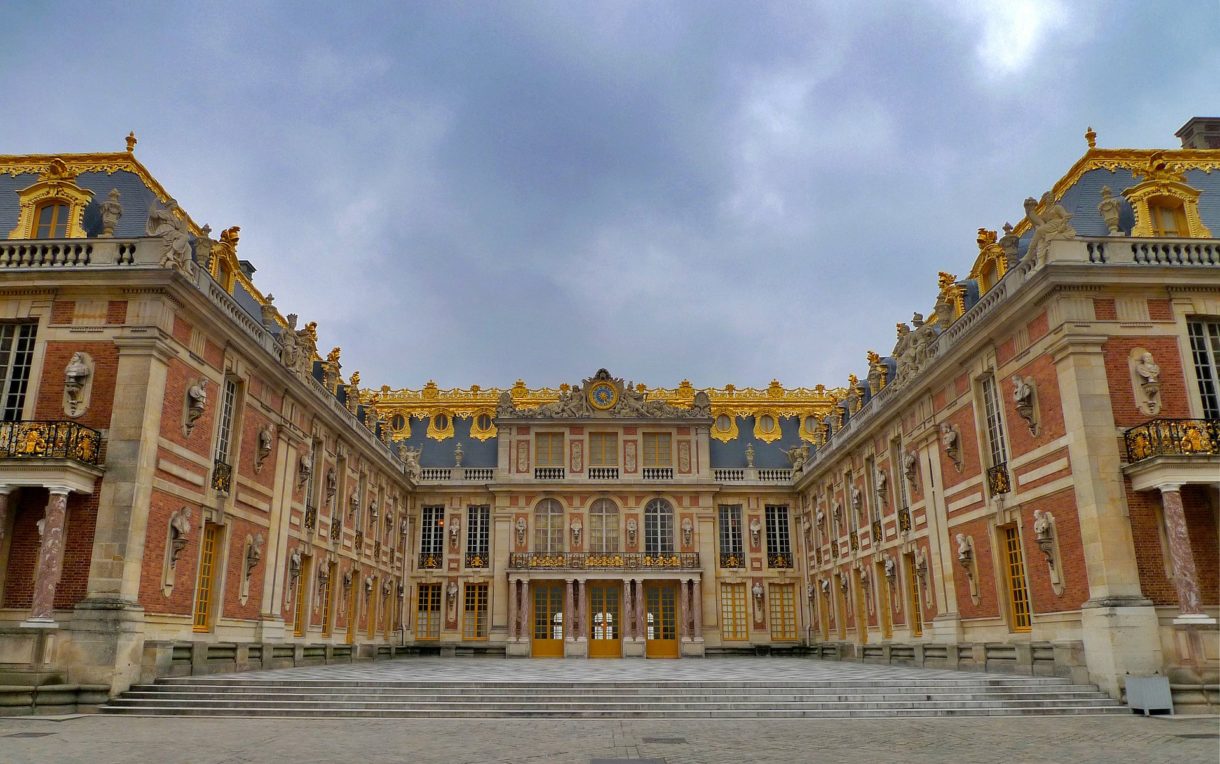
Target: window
x=228, y=407
x=1014, y=573
x=779, y=548
x=603, y=527
x=548, y=449
x=1168, y=217
x=301, y=611
x=995, y=425
x=205, y=584
x=658, y=527
x=782, y=607
x=51, y=220
x=603, y=449
x=731, y=553
x=1205, y=348
x=898, y=460
x=548, y=527
x=914, y=606
x=432, y=536
x=16, y=354
x=658, y=449
x=428, y=612
x=478, y=527
x=874, y=500
x=733, y=625
x=327, y=595
x=474, y=623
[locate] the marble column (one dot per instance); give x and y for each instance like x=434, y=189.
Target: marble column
x=628, y=621
x=641, y=611
x=1185, y=578
x=581, y=612
x=50, y=558
x=568, y=625
x=697, y=597
x=513, y=609
x=524, y=625
x=683, y=611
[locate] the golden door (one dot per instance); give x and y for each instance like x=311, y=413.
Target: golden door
x=548, y=619
x=605, y=614
x=661, y=619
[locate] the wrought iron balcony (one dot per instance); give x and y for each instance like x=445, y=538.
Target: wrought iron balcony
x=477, y=560
x=602, y=561
x=998, y=481
x=336, y=528
x=358, y=545
x=779, y=560
x=732, y=560
x=310, y=520
x=431, y=561
x=876, y=528
x=222, y=477
x=1172, y=437
x=45, y=439
x=904, y=520
x=853, y=540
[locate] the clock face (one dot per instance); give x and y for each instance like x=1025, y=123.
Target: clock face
x=603, y=395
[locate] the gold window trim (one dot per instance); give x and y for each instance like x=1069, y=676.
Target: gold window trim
x=56, y=183
x=1143, y=197
x=724, y=436
x=483, y=433
x=767, y=437
x=439, y=433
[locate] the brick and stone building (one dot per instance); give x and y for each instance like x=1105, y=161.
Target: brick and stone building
x=1029, y=481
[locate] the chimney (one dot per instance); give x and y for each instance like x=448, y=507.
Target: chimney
x=1200, y=133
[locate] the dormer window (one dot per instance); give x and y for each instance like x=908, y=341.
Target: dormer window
x=51, y=220
x=1168, y=217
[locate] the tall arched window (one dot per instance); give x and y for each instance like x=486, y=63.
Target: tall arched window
x=659, y=527
x=603, y=527
x=548, y=527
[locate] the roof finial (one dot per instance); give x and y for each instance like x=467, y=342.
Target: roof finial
x=1090, y=137
x=131, y=141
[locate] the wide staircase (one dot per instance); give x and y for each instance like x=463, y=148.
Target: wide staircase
x=904, y=695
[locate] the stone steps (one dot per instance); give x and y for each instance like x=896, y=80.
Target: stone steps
x=935, y=696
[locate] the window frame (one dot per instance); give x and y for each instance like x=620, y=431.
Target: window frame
x=604, y=535
x=478, y=532
x=475, y=623
x=432, y=530
x=603, y=449
x=549, y=533
x=779, y=534
x=17, y=342
x=550, y=456
x=730, y=538
x=659, y=527
x=781, y=612
x=1204, y=336
x=652, y=453
x=734, y=612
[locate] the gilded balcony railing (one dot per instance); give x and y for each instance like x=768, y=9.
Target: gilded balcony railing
x=336, y=528
x=779, y=560
x=998, y=481
x=35, y=439
x=222, y=476
x=477, y=560
x=904, y=519
x=876, y=528
x=310, y=520
x=1172, y=437
x=732, y=560
x=853, y=540
x=358, y=544
x=602, y=561
x=430, y=561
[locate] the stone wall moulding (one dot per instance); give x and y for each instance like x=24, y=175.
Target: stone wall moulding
x=1024, y=397
x=177, y=534
x=195, y=403
x=78, y=384
x=1047, y=537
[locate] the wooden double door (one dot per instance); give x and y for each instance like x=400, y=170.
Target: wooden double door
x=605, y=618
x=547, y=619
x=661, y=619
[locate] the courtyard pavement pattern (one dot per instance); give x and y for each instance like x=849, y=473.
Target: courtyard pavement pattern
x=99, y=739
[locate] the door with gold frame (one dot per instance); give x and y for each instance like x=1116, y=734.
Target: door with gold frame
x=661, y=619
x=605, y=619
x=547, y=639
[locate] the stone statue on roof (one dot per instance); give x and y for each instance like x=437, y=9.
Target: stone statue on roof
x=111, y=210
x=164, y=223
x=1052, y=224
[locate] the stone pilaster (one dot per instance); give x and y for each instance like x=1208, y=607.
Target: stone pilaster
x=697, y=596
x=628, y=622
x=6, y=493
x=683, y=610
x=513, y=609
x=50, y=560
x=568, y=607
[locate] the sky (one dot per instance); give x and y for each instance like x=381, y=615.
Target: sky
x=725, y=192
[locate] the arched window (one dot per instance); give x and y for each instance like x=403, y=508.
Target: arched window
x=548, y=527
x=51, y=220
x=603, y=527
x=658, y=527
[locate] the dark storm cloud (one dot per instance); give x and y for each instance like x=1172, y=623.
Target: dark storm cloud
x=727, y=192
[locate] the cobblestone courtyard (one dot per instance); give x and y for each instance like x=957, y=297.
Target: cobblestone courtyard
x=1062, y=740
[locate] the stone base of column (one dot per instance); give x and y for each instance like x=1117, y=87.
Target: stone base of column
x=270, y=629
x=1121, y=637
x=945, y=628
x=633, y=648
x=517, y=648
x=576, y=649
x=104, y=644
x=1186, y=619
x=39, y=623
x=692, y=649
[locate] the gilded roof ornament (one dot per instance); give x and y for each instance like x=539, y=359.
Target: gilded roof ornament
x=131, y=142
x=332, y=357
x=1090, y=137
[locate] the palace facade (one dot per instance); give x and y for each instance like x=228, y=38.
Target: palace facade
x=1028, y=481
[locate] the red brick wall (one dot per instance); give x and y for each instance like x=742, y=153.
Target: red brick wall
x=78, y=548
x=1104, y=310
x=183, y=595
x=967, y=443
x=180, y=376
x=1151, y=555
x=62, y=311
x=50, y=403
x=234, y=566
x=1174, y=400
x=31, y=504
x=1048, y=402
x=1160, y=310
x=116, y=312
x=984, y=571
x=1071, y=562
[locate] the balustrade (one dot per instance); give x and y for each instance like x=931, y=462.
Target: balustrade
x=1172, y=437
x=48, y=439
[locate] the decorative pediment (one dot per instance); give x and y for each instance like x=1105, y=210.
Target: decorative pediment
x=56, y=184
x=1164, y=191
x=603, y=396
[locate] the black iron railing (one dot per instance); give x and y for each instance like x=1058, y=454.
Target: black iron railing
x=1173, y=437
x=853, y=540
x=428, y=561
x=44, y=439
x=222, y=476
x=779, y=560
x=358, y=544
x=602, y=561
x=310, y=520
x=876, y=528
x=477, y=560
x=998, y=481
x=732, y=560
x=904, y=519
x=336, y=527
